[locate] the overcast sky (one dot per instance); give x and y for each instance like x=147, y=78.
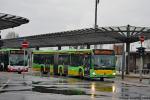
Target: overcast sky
x=47, y=16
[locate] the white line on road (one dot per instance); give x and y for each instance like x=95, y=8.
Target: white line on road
x=4, y=84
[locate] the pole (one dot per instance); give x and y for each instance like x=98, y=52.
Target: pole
x=88, y=46
x=141, y=67
x=128, y=57
x=95, y=26
x=24, y=63
x=59, y=47
x=123, y=63
x=128, y=50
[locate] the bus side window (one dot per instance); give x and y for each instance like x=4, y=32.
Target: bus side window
x=41, y=60
x=59, y=60
x=35, y=59
x=51, y=59
x=68, y=60
x=64, y=59
x=76, y=60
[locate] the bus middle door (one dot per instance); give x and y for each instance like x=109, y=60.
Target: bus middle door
x=87, y=65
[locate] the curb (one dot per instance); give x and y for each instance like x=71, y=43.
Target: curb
x=131, y=76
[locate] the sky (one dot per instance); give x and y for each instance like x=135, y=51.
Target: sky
x=47, y=16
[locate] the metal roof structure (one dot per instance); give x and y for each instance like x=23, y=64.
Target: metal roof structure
x=10, y=21
x=88, y=36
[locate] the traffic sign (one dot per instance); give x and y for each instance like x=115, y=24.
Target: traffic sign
x=141, y=38
x=25, y=44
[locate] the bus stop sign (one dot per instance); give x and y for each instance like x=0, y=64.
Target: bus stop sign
x=25, y=44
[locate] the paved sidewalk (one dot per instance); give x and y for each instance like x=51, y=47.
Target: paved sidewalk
x=133, y=75
x=133, y=79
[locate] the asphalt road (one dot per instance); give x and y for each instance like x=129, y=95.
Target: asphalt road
x=14, y=87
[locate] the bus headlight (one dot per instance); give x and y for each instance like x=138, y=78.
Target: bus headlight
x=94, y=73
x=114, y=74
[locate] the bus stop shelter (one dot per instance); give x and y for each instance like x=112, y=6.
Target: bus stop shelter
x=89, y=36
x=10, y=21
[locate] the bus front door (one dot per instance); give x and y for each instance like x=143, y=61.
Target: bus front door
x=87, y=61
x=87, y=71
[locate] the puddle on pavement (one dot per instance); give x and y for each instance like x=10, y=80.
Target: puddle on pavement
x=102, y=87
x=56, y=90
x=42, y=89
x=36, y=82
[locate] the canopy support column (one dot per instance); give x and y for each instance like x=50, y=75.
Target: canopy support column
x=88, y=46
x=128, y=58
x=37, y=48
x=1, y=42
x=59, y=47
x=128, y=50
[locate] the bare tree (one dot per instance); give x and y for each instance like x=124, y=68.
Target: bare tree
x=11, y=35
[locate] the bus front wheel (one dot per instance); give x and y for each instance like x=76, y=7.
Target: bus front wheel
x=60, y=71
x=19, y=72
x=102, y=79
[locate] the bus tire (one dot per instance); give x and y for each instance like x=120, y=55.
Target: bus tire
x=60, y=71
x=102, y=79
x=80, y=74
x=42, y=70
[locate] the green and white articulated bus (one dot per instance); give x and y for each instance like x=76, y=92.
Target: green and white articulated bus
x=90, y=63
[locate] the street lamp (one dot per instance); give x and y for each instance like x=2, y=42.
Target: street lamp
x=96, y=3
x=141, y=51
x=1, y=42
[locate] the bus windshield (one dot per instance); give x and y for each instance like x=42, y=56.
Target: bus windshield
x=103, y=61
x=17, y=59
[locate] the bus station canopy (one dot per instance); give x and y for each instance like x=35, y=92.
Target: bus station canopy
x=87, y=36
x=10, y=21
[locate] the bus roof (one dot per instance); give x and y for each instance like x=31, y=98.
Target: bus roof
x=44, y=51
x=60, y=51
x=8, y=49
x=71, y=51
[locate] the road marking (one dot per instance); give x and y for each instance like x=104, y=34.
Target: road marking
x=4, y=84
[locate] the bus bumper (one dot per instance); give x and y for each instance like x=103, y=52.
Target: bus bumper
x=103, y=73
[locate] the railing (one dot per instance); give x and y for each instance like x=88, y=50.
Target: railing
x=144, y=71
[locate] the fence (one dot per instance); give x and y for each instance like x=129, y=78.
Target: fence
x=144, y=71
